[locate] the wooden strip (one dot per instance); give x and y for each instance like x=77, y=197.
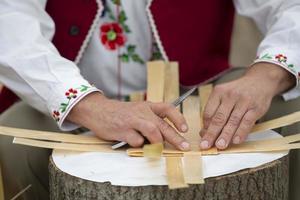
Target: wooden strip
x=171, y=90
x=175, y=173
x=269, y=145
x=193, y=168
x=64, y=146
x=192, y=160
x=51, y=136
x=156, y=81
x=137, y=96
x=191, y=108
x=155, y=93
x=153, y=150
x=204, y=93
x=277, y=123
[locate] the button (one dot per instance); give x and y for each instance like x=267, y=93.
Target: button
x=74, y=30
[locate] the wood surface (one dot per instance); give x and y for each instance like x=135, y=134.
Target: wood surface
x=269, y=181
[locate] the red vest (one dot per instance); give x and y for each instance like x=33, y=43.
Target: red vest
x=196, y=34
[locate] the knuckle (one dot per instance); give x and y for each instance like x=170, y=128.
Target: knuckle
x=163, y=126
x=228, y=132
x=207, y=114
x=218, y=119
x=234, y=120
x=248, y=121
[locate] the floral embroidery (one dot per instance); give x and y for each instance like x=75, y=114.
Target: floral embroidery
x=279, y=58
x=70, y=94
x=113, y=35
x=56, y=115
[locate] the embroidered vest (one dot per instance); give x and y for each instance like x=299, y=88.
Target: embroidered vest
x=196, y=34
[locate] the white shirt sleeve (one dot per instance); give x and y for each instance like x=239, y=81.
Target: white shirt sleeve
x=279, y=21
x=31, y=66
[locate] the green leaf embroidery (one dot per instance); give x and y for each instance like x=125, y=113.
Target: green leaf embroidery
x=122, y=17
x=63, y=107
x=83, y=88
x=131, y=49
x=266, y=56
x=126, y=28
x=290, y=66
x=110, y=13
x=156, y=56
x=136, y=58
x=124, y=57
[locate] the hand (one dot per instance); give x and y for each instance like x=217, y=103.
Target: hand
x=234, y=107
x=129, y=122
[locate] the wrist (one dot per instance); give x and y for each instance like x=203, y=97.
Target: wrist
x=81, y=113
x=271, y=75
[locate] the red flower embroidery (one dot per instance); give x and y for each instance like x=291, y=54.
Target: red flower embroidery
x=56, y=115
x=71, y=93
x=112, y=36
x=281, y=58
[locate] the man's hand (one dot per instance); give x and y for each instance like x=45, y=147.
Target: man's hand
x=129, y=122
x=234, y=107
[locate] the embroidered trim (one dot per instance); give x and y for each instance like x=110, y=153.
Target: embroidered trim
x=278, y=59
x=155, y=31
x=71, y=95
x=90, y=32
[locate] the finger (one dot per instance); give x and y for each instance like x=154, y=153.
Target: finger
x=202, y=132
x=171, y=136
x=210, y=109
x=245, y=126
x=217, y=123
x=134, y=139
x=148, y=129
x=169, y=111
x=232, y=124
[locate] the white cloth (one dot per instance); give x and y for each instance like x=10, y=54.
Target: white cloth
x=31, y=66
x=120, y=169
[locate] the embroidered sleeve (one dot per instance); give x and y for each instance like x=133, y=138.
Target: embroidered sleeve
x=279, y=21
x=70, y=98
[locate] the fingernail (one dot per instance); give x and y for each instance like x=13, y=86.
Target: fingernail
x=204, y=144
x=185, y=146
x=184, y=128
x=236, y=140
x=221, y=143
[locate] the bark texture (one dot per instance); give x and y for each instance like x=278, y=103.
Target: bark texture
x=267, y=182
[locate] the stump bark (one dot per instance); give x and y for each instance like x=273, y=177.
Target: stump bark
x=266, y=182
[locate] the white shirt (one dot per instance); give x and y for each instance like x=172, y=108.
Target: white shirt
x=31, y=66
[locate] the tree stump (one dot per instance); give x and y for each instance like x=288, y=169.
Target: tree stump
x=269, y=181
